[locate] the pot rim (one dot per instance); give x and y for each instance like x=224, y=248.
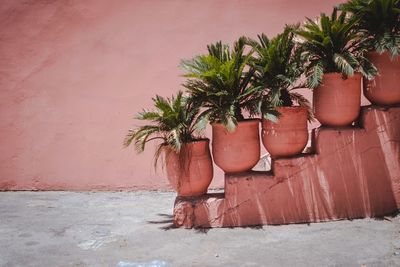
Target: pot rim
x=197, y=140
x=194, y=141
x=245, y=121
x=291, y=107
x=334, y=74
x=290, y=111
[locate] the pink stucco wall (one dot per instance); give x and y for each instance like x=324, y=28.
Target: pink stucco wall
x=73, y=73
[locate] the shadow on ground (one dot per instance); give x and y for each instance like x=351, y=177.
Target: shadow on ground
x=166, y=219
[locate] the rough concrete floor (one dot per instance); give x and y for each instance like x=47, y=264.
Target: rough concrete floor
x=126, y=229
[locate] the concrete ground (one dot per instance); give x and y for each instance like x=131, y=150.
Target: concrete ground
x=131, y=229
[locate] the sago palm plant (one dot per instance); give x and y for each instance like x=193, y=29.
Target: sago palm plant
x=279, y=65
x=173, y=122
x=220, y=82
x=379, y=20
x=333, y=44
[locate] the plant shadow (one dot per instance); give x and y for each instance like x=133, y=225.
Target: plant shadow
x=389, y=217
x=166, y=219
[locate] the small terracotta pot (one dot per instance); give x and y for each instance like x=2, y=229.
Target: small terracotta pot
x=337, y=101
x=190, y=172
x=289, y=135
x=384, y=89
x=238, y=151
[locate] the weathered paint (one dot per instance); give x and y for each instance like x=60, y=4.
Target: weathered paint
x=354, y=173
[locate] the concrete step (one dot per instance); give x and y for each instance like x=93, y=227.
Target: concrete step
x=354, y=172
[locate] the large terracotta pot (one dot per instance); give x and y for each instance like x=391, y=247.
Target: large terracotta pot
x=289, y=135
x=337, y=101
x=236, y=151
x=190, y=172
x=384, y=89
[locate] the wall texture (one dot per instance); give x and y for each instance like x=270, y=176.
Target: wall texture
x=73, y=73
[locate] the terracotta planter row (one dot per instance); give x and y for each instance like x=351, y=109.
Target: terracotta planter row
x=240, y=151
x=235, y=152
x=336, y=103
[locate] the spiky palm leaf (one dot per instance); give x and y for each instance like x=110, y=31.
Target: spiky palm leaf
x=173, y=122
x=220, y=81
x=278, y=65
x=379, y=20
x=333, y=44
x=303, y=102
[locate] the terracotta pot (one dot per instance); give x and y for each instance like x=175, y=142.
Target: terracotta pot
x=289, y=135
x=337, y=101
x=190, y=172
x=385, y=88
x=238, y=151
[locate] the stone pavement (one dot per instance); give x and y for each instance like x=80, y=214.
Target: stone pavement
x=131, y=229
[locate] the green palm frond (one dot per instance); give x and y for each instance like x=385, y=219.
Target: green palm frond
x=173, y=121
x=303, y=102
x=333, y=44
x=220, y=83
x=379, y=20
x=268, y=110
x=314, y=74
x=141, y=136
x=279, y=66
x=343, y=64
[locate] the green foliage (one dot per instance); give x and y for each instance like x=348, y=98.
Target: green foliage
x=278, y=65
x=333, y=44
x=220, y=83
x=173, y=121
x=380, y=21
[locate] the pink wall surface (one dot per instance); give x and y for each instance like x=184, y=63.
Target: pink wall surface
x=73, y=73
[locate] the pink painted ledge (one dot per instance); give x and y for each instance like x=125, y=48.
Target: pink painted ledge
x=354, y=172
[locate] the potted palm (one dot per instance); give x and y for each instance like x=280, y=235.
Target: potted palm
x=336, y=60
x=186, y=155
x=278, y=67
x=379, y=20
x=220, y=82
